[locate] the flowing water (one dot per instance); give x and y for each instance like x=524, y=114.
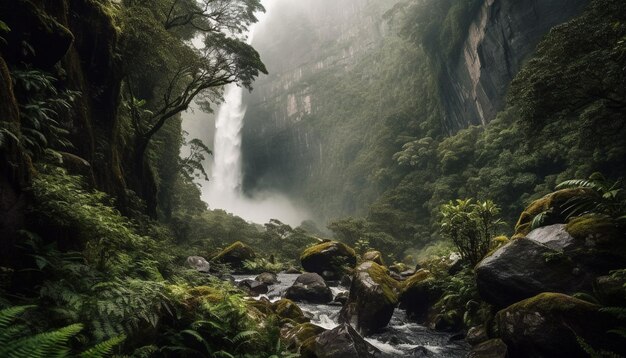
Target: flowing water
x=401, y=338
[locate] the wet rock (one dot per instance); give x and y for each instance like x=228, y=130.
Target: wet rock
x=267, y=278
x=329, y=259
x=418, y=295
x=399, y=267
x=341, y=298
x=455, y=264
x=553, y=203
x=524, y=268
x=611, y=290
x=345, y=281
x=254, y=288
x=309, y=287
x=372, y=299
x=342, y=342
x=374, y=256
x=551, y=324
x=286, y=308
x=553, y=236
x=493, y=348
x=476, y=335
x=199, y=263
x=235, y=255
x=294, y=337
x=293, y=270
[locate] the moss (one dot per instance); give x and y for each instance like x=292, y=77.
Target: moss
x=550, y=302
x=380, y=276
x=302, y=337
x=595, y=226
x=236, y=251
x=399, y=267
x=417, y=277
x=319, y=248
x=374, y=256
x=552, y=203
x=287, y=309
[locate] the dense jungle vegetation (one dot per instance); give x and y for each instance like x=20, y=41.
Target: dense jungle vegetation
x=101, y=217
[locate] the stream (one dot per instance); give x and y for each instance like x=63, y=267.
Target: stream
x=401, y=338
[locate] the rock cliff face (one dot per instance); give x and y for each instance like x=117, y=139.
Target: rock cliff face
x=503, y=35
x=328, y=60
x=301, y=43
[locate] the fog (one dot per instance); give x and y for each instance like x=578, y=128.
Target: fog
x=221, y=131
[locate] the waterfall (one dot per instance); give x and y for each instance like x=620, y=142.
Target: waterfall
x=224, y=189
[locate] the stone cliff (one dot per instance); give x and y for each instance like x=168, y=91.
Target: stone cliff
x=315, y=125
x=505, y=32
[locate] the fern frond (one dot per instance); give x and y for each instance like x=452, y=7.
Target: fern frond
x=103, y=349
x=42, y=345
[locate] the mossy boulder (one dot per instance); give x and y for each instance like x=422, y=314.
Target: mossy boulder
x=373, y=297
x=418, y=295
x=399, y=267
x=342, y=342
x=329, y=259
x=600, y=243
x=286, y=308
x=294, y=338
x=309, y=287
x=235, y=255
x=524, y=268
x=553, y=324
x=267, y=278
x=374, y=256
x=553, y=204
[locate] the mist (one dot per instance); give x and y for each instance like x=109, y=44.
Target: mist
x=221, y=131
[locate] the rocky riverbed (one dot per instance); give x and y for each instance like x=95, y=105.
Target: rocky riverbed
x=401, y=338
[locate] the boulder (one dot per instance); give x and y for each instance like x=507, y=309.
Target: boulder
x=372, y=299
x=199, y=263
x=399, y=267
x=342, y=342
x=374, y=256
x=599, y=243
x=287, y=309
x=253, y=287
x=309, y=287
x=553, y=205
x=294, y=337
x=554, y=324
x=611, y=290
x=341, y=298
x=235, y=255
x=330, y=259
x=267, y=278
x=476, y=335
x=292, y=270
x=418, y=295
x=493, y=348
x=524, y=268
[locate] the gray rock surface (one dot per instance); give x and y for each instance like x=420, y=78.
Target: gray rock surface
x=524, y=268
x=199, y=263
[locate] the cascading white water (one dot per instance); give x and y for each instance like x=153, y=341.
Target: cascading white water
x=224, y=189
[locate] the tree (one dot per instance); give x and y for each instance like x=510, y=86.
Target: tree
x=164, y=73
x=470, y=226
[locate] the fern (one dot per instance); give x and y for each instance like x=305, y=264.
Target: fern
x=104, y=348
x=17, y=342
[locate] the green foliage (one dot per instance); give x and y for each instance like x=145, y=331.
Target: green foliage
x=42, y=110
x=263, y=265
x=471, y=227
x=608, y=199
x=460, y=301
x=16, y=339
